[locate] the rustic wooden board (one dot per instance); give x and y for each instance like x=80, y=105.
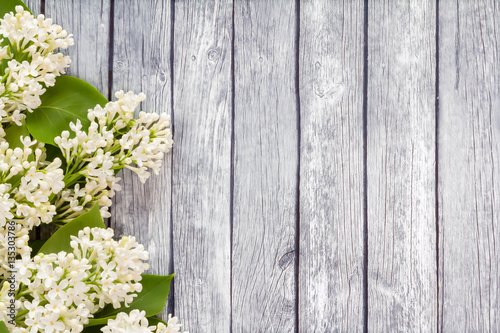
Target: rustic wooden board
x=265, y=167
x=331, y=167
x=402, y=278
x=286, y=85
x=141, y=62
x=201, y=188
x=469, y=173
x=35, y=6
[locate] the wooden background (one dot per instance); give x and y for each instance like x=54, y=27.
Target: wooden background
x=336, y=163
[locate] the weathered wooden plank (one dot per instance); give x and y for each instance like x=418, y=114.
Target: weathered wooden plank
x=265, y=166
x=402, y=278
x=141, y=62
x=331, y=167
x=35, y=6
x=89, y=22
x=469, y=176
x=201, y=188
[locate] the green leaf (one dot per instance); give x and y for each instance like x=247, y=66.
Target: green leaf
x=98, y=321
x=53, y=152
x=60, y=240
x=7, y=6
x=13, y=135
x=92, y=329
x=152, y=299
x=155, y=321
x=68, y=100
x=3, y=327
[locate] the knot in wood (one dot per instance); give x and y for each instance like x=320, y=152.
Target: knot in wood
x=120, y=65
x=213, y=55
x=286, y=260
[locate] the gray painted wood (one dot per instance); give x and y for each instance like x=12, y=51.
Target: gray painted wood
x=141, y=62
x=469, y=176
x=331, y=167
x=237, y=269
x=265, y=167
x=35, y=6
x=402, y=278
x=201, y=181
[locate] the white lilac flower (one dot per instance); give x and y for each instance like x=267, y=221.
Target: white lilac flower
x=34, y=190
x=136, y=322
x=114, y=140
x=173, y=326
x=31, y=64
x=27, y=182
x=60, y=292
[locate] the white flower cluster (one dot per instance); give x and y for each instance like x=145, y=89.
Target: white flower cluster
x=136, y=322
x=60, y=292
x=34, y=190
x=114, y=140
x=27, y=181
x=31, y=64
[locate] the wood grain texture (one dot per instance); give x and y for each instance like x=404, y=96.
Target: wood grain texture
x=265, y=166
x=469, y=173
x=331, y=167
x=402, y=286
x=35, y=6
x=236, y=270
x=202, y=164
x=141, y=62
